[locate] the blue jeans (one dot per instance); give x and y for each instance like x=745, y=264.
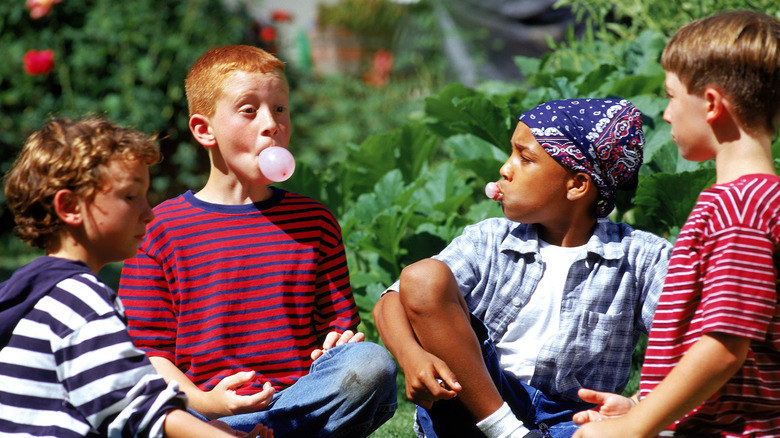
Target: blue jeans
x=449, y=418
x=349, y=392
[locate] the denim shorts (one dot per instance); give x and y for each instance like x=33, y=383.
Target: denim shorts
x=449, y=418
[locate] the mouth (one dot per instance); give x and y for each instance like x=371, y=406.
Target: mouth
x=500, y=195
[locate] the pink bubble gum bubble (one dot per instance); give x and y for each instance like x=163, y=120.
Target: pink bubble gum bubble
x=276, y=163
x=491, y=190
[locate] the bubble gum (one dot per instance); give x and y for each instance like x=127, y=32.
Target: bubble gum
x=491, y=190
x=276, y=163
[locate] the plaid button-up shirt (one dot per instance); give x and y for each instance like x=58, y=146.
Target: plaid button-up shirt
x=609, y=298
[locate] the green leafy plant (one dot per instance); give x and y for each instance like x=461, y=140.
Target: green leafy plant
x=125, y=60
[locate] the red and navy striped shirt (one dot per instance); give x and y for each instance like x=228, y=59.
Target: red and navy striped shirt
x=723, y=277
x=218, y=289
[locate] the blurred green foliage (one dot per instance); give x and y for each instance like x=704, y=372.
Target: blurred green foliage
x=624, y=19
x=124, y=60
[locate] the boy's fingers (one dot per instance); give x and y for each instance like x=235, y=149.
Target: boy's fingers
x=237, y=379
x=591, y=396
x=330, y=340
x=447, y=378
x=345, y=337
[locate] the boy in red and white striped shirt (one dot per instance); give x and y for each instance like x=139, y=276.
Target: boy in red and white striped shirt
x=712, y=366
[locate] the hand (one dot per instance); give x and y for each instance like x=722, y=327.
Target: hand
x=609, y=405
x=612, y=428
x=226, y=402
x=259, y=431
x=429, y=379
x=334, y=339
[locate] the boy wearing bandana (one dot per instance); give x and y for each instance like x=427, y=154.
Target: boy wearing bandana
x=498, y=332
x=712, y=367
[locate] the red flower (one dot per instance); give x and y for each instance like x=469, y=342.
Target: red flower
x=267, y=34
x=381, y=65
x=38, y=62
x=39, y=8
x=281, y=15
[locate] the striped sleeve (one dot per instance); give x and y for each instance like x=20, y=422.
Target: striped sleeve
x=70, y=369
x=144, y=291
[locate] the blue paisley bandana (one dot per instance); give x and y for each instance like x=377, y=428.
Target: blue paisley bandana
x=601, y=137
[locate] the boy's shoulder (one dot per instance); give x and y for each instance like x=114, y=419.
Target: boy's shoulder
x=616, y=239
x=744, y=200
x=188, y=214
x=29, y=284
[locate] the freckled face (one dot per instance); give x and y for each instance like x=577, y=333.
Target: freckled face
x=251, y=115
x=534, y=185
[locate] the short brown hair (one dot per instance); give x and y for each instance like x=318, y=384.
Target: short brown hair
x=206, y=79
x=737, y=52
x=66, y=154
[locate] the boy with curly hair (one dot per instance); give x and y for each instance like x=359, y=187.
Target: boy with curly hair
x=68, y=367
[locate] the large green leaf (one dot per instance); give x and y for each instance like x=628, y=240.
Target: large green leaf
x=408, y=149
x=665, y=200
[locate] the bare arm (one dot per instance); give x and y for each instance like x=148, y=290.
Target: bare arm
x=222, y=400
x=705, y=368
x=421, y=369
x=180, y=424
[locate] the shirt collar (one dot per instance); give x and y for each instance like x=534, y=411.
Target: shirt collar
x=605, y=241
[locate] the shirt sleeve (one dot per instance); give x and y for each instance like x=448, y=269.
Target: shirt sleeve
x=739, y=292
x=335, y=305
x=107, y=378
x=149, y=306
x=656, y=263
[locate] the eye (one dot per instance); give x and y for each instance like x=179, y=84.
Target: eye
x=281, y=109
x=524, y=158
x=248, y=110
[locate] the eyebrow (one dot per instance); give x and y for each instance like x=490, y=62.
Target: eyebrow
x=524, y=148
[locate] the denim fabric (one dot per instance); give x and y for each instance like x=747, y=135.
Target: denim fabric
x=449, y=418
x=349, y=392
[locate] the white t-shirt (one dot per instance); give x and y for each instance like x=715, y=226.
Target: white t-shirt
x=539, y=319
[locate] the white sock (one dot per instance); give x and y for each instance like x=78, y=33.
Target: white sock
x=502, y=424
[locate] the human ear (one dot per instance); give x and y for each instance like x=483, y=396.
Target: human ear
x=578, y=186
x=717, y=104
x=67, y=207
x=201, y=130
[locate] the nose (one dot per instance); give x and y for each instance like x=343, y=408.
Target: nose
x=666, y=114
x=505, y=170
x=146, y=212
x=271, y=125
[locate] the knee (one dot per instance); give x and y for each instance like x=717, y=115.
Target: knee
x=424, y=284
x=371, y=370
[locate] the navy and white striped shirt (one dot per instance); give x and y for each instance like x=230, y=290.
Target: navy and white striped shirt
x=69, y=368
